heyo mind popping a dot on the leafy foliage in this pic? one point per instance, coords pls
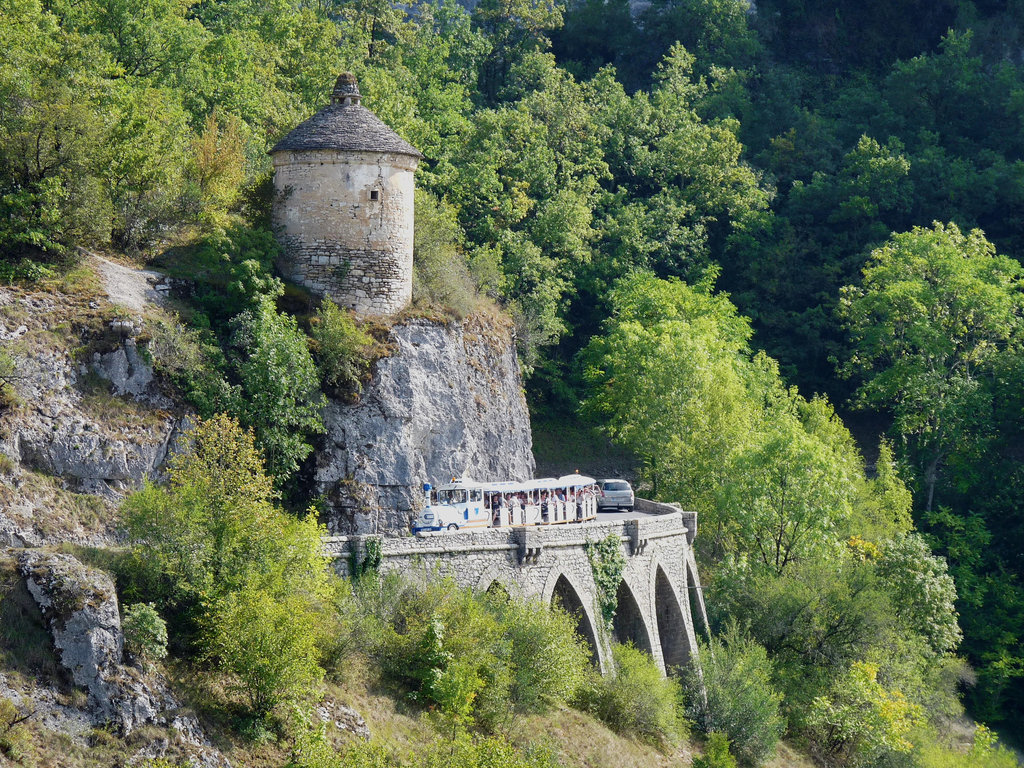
(716, 753)
(859, 721)
(479, 659)
(341, 349)
(247, 582)
(145, 633)
(935, 311)
(279, 396)
(732, 693)
(607, 562)
(923, 592)
(637, 699)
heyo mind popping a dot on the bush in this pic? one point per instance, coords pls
(145, 633)
(280, 398)
(14, 739)
(732, 693)
(859, 722)
(549, 662)
(440, 273)
(716, 753)
(248, 582)
(637, 700)
(985, 752)
(269, 643)
(8, 375)
(341, 348)
(232, 271)
(477, 658)
(313, 749)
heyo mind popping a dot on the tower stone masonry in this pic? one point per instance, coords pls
(343, 210)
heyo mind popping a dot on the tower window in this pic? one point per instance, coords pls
(375, 194)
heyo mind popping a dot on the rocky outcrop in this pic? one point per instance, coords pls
(344, 718)
(79, 605)
(448, 402)
(89, 417)
(59, 432)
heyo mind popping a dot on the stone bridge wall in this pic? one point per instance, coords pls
(550, 564)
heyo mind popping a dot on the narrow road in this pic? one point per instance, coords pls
(606, 516)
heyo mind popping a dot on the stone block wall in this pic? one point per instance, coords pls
(345, 224)
(546, 562)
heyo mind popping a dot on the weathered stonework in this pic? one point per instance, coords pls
(658, 598)
(337, 240)
(344, 201)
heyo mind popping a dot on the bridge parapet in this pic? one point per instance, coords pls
(550, 563)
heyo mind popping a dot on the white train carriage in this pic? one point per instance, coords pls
(466, 504)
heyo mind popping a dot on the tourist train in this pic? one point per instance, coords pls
(466, 504)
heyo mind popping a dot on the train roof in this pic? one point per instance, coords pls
(515, 486)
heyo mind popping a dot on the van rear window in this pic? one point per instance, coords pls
(616, 486)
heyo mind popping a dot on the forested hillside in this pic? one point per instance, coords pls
(713, 224)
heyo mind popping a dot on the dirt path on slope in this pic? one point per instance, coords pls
(130, 288)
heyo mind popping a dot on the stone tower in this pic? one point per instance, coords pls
(344, 205)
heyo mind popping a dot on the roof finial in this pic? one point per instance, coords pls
(346, 90)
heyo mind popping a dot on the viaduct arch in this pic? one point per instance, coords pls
(550, 564)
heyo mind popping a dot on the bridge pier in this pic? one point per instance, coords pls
(550, 564)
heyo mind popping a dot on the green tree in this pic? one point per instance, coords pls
(668, 378)
(247, 582)
(512, 28)
(934, 312)
(860, 721)
(732, 693)
(790, 490)
(269, 642)
(145, 633)
(923, 592)
(280, 397)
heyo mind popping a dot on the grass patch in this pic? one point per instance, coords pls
(116, 413)
(51, 509)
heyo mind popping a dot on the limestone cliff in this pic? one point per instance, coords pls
(448, 401)
(88, 422)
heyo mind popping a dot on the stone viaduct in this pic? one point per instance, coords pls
(659, 597)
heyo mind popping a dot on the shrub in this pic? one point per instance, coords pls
(478, 658)
(549, 662)
(8, 375)
(313, 749)
(859, 722)
(440, 273)
(732, 693)
(637, 700)
(280, 390)
(716, 753)
(269, 643)
(341, 348)
(232, 271)
(248, 582)
(145, 633)
(985, 752)
(14, 739)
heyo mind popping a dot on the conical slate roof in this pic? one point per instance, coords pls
(346, 125)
